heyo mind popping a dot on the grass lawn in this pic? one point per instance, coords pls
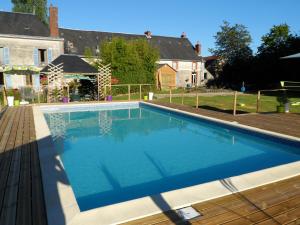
(225, 103)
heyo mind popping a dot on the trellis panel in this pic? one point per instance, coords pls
(103, 79)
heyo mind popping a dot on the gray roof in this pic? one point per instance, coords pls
(294, 56)
(22, 24)
(72, 64)
(170, 47)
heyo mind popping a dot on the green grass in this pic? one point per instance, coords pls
(225, 103)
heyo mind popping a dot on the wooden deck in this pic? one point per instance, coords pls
(285, 123)
(21, 192)
(276, 203)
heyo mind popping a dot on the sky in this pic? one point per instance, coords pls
(199, 19)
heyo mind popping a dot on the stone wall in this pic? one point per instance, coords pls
(21, 49)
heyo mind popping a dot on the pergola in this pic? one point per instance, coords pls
(73, 67)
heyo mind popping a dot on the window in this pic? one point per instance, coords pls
(42, 56)
(28, 80)
(194, 78)
(205, 76)
(175, 65)
(1, 56)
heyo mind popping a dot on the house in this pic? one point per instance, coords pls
(27, 45)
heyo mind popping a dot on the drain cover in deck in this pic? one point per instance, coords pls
(188, 213)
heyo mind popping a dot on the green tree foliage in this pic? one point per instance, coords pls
(131, 61)
(39, 7)
(232, 46)
(269, 68)
(232, 42)
(266, 68)
(277, 36)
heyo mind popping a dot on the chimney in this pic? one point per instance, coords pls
(53, 21)
(148, 34)
(198, 48)
(183, 35)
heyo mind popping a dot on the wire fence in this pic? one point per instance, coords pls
(228, 101)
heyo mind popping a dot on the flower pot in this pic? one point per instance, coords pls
(65, 99)
(151, 96)
(109, 98)
(10, 100)
(16, 102)
(287, 107)
(145, 97)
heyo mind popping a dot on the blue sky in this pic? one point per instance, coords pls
(199, 19)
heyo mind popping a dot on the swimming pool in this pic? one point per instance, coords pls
(116, 154)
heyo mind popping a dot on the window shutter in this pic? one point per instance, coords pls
(6, 55)
(36, 57)
(36, 81)
(50, 55)
(8, 81)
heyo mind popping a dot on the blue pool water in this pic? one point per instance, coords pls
(115, 155)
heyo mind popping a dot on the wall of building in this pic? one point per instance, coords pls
(21, 50)
(185, 70)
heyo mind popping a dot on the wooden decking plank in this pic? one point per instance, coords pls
(38, 206)
(11, 175)
(24, 214)
(3, 123)
(243, 216)
(268, 213)
(284, 218)
(6, 133)
(261, 197)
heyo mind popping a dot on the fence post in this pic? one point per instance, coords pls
(140, 92)
(234, 103)
(197, 101)
(4, 96)
(182, 96)
(170, 95)
(258, 102)
(128, 92)
(104, 93)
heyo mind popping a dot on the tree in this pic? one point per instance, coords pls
(232, 42)
(269, 67)
(132, 61)
(277, 37)
(234, 55)
(38, 7)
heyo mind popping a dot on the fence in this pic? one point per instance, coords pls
(133, 91)
(233, 102)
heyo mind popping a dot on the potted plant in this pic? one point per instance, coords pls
(10, 98)
(284, 103)
(145, 96)
(17, 97)
(55, 93)
(65, 98)
(109, 95)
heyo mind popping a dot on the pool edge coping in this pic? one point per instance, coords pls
(176, 199)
